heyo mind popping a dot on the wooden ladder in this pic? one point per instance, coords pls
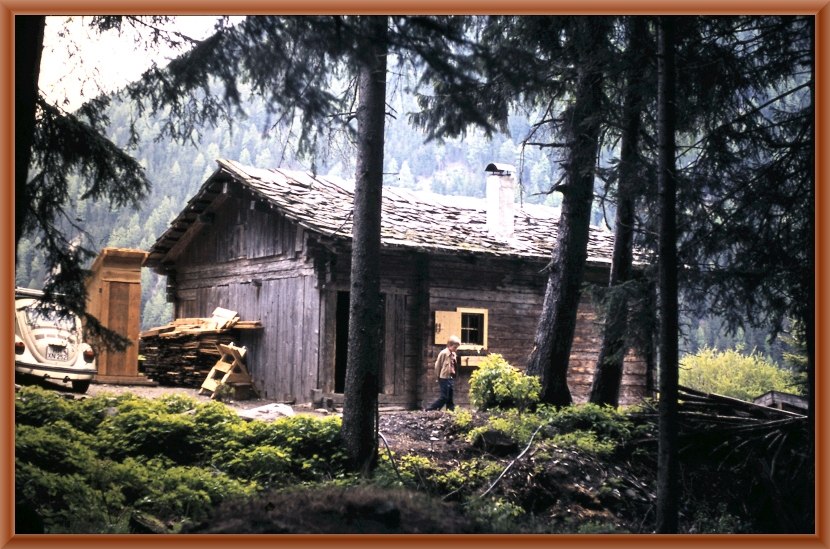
(229, 369)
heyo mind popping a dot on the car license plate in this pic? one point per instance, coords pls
(57, 353)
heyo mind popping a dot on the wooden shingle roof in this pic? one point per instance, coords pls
(410, 219)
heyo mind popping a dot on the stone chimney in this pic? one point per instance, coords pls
(500, 190)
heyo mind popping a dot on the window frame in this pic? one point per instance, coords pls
(449, 323)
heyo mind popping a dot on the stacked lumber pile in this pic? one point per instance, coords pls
(747, 454)
(183, 352)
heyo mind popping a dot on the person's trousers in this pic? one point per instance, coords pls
(447, 388)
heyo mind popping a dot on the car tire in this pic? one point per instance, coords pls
(79, 386)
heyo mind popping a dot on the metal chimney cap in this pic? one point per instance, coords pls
(499, 168)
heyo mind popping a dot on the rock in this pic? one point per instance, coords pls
(269, 412)
(146, 524)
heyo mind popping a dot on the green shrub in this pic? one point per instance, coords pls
(316, 449)
(606, 422)
(176, 403)
(98, 497)
(462, 419)
(586, 441)
(267, 465)
(218, 430)
(142, 430)
(600, 527)
(180, 492)
(497, 384)
(37, 406)
(57, 448)
(519, 427)
(733, 374)
(422, 473)
(85, 465)
(496, 514)
(68, 502)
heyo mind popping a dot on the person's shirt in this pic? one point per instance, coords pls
(445, 364)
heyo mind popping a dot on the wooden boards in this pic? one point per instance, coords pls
(229, 370)
(183, 352)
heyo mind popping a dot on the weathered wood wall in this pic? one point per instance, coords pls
(416, 286)
(254, 262)
(512, 292)
(402, 346)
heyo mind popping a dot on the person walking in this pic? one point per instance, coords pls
(445, 372)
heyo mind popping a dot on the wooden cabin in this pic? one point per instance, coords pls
(275, 244)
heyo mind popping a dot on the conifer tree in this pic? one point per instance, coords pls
(605, 388)
(668, 485)
(52, 145)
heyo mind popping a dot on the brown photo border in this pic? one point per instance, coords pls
(8, 8)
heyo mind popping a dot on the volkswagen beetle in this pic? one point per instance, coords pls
(50, 346)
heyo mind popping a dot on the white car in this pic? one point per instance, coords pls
(49, 346)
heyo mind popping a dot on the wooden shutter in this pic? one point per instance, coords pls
(447, 323)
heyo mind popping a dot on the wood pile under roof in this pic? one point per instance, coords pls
(183, 352)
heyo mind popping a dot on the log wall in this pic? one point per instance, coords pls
(512, 292)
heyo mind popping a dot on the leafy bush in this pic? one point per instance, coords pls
(462, 419)
(84, 465)
(37, 407)
(422, 473)
(57, 448)
(68, 502)
(497, 384)
(316, 450)
(518, 426)
(606, 422)
(143, 431)
(267, 465)
(496, 514)
(588, 427)
(733, 374)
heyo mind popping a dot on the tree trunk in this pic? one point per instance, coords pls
(554, 335)
(360, 398)
(668, 486)
(28, 48)
(605, 388)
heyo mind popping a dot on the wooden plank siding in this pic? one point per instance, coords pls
(264, 266)
(251, 262)
(415, 286)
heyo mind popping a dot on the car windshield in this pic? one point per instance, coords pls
(45, 317)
